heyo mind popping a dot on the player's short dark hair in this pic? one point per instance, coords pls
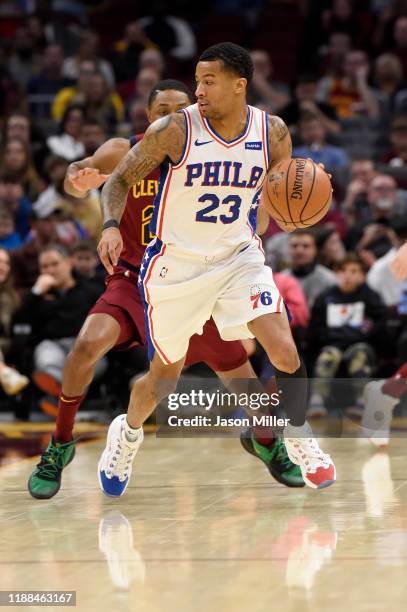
(350, 258)
(234, 58)
(167, 84)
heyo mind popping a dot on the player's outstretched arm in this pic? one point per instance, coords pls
(399, 264)
(165, 138)
(92, 172)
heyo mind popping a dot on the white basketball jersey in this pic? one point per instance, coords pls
(207, 203)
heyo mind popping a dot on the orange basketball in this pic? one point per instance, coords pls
(297, 193)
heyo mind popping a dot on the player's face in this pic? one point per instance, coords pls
(167, 102)
(217, 89)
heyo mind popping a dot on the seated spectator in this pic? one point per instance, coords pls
(43, 88)
(351, 95)
(17, 164)
(312, 277)
(151, 61)
(12, 197)
(305, 101)
(265, 92)
(128, 52)
(173, 35)
(19, 126)
(362, 173)
(65, 96)
(380, 277)
(396, 156)
(294, 298)
(25, 259)
(331, 63)
(9, 238)
(88, 51)
(312, 134)
(93, 135)
(152, 58)
(85, 212)
(330, 247)
(371, 235)
(67, 143)
(10, 379)
(85, 263)
(388, 80)
(11, 93)
(52, 313)
(99, 103)
(145, 81)
(24, 60)
(347, 324)
(138, 117)
(339, 16)
(400, 42)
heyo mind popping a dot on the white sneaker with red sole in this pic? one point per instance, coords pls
(317, 468)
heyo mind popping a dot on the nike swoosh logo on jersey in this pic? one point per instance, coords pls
(198, 144)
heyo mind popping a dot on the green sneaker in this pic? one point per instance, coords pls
(276, 459)
(45, 480)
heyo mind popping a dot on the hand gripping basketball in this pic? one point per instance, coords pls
(297, 193)
(109, 248)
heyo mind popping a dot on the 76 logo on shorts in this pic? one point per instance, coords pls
(264, 297)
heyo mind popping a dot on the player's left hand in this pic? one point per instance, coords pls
(88, 178)
(399, 264)
(322, 166)
(109, 248)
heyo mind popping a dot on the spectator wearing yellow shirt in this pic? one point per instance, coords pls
(79, 93)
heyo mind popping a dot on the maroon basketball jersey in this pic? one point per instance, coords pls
(135, 222)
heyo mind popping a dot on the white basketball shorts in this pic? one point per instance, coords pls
(181, 292)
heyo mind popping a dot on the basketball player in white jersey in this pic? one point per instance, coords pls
(206, 259)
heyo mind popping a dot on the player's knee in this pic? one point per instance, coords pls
(86, 349)
(287, 360)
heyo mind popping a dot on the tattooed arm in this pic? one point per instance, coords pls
(279, 140)
(280, 147)
(165, 138)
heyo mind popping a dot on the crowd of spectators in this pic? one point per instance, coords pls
(73, 74)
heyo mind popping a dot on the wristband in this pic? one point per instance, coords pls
(110, 223)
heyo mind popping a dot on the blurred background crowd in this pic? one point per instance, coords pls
(73, 74)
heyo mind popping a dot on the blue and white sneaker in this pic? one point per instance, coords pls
(115, 464)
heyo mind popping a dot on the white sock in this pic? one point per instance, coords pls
(132, 435)
(302, 431)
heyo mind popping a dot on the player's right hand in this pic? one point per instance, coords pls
(109, 248)
(87, 178)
